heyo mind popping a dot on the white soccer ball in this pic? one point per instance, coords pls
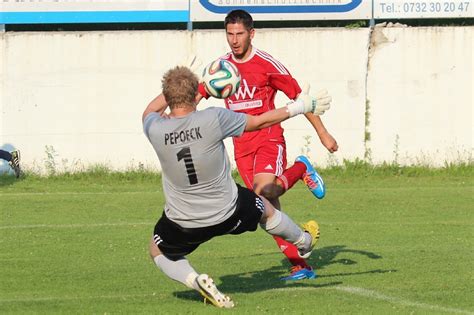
(221, 78)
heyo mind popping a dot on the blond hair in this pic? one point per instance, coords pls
(180, 86)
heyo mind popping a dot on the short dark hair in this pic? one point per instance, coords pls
(239, 16)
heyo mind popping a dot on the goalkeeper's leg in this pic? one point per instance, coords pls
(279, 224)
(180, 270)
(271, 187)
(5, 155)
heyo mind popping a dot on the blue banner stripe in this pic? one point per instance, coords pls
(330, 8)
(94, 17)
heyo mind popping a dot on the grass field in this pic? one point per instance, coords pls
(390, 244)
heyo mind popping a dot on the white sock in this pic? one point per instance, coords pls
(304, 244)
(179, 270)
(281, 225)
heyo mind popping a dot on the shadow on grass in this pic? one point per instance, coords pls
(269, 279)
(255, 281)
(326, 256)
(258, 281)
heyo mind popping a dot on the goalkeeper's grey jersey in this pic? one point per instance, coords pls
(196, 171)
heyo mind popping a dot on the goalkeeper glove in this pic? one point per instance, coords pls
(305, 103)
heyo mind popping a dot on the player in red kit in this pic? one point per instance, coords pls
(261, 155)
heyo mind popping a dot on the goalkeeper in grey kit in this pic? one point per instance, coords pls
(201, 198)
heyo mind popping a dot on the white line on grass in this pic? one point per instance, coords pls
(68, 226)
(93, 225)
(77, 193)
(395, 300)
(75, 298)
(159, 191)
(351, 290)
(379, 296)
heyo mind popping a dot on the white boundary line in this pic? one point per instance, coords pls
(395, 300)
(68, 226)
(74, 298)
(351, 290)
(382, 297)
(160, 191)
(79, 193)
(93, 225)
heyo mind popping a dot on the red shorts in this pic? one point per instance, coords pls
(269, 158)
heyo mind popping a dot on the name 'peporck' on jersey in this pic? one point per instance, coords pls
(196, 171)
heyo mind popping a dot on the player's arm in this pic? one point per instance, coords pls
(199, 97)
(157, 105)
(288, 85)
(266, 119)
(325, 137)
(316, 105)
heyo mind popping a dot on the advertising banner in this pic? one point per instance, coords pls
(149, 11)
(92, 11)
(289, 10)
(407, 9)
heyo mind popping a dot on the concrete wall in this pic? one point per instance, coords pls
(420, 87)
(80, 96)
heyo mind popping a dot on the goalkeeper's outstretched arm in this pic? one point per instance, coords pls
(305, 104)
(158, 105)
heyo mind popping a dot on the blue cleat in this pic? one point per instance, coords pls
(300, 273)
(312, 179)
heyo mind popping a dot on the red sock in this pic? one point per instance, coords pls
(291, 175)
(291, 252)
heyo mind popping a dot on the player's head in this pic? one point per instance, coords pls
(241, 17)
(239, 32)
(180, 86)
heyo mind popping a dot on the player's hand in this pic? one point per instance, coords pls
(317, 104)
(329, 142)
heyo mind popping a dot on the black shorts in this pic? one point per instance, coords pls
(175, 241)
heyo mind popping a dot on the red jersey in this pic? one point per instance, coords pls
(261, 77)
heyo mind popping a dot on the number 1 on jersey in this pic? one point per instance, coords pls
(185, 154)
